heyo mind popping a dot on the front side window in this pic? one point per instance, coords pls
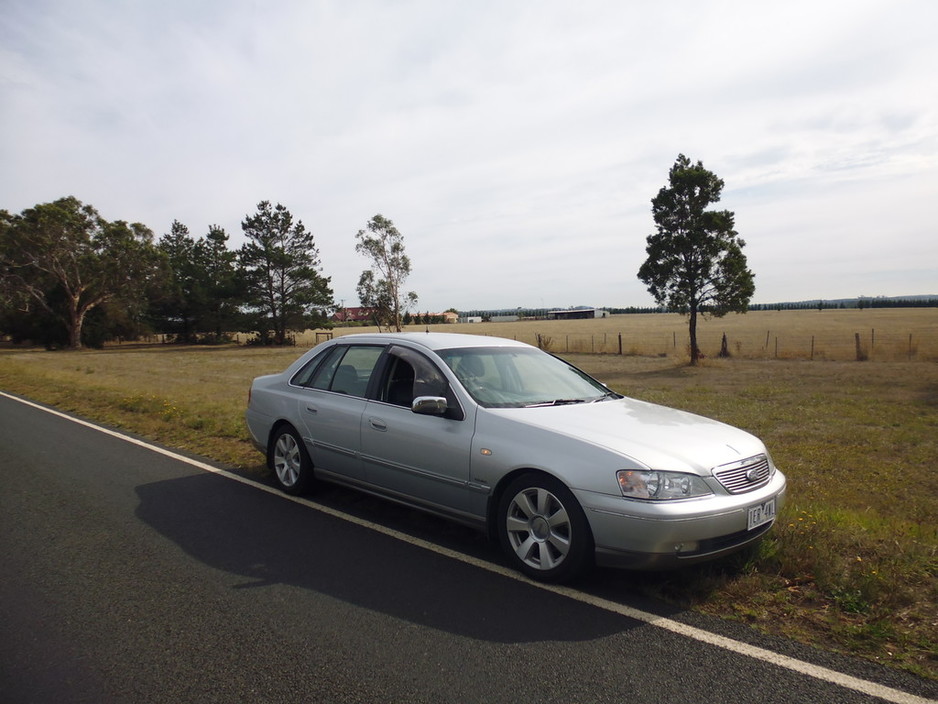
(410, 375)
(399, 387)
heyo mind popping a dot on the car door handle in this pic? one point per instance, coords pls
(312, 410)
(378, 424)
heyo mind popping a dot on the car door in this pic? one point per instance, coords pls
(424, 458)
(330, 403)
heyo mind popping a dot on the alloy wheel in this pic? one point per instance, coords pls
(538, 528)
(287, 460)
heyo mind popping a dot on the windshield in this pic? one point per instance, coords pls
(518, 377)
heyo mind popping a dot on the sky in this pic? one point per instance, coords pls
(515, 144)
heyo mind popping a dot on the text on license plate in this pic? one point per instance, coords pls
(761, 514)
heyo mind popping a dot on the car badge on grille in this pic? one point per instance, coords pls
(753, 474)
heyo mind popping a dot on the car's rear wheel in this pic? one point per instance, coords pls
(543, 529)
(289, 460)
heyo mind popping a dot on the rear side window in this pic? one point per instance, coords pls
(317, 366)
(346, 369)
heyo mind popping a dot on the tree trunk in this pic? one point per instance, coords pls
(75, 319)
(694, 350)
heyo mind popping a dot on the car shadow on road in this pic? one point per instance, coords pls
(265, 539)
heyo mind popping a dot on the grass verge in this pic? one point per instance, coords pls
(851, 564)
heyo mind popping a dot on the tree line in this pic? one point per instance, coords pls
(846, 304)
(71, 278)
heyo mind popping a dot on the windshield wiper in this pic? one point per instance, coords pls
(556, 402)
(606, 396)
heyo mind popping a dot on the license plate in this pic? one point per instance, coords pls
(761, 514)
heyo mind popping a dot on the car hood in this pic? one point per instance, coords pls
(654, 436)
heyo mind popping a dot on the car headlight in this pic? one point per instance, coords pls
(660, 486)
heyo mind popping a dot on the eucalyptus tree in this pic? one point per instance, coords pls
(280, 262)
(382, 286)
(695, 263)
(67, 260)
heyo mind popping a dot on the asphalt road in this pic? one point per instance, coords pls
(130, 576)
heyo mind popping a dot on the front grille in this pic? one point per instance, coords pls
(745, 475)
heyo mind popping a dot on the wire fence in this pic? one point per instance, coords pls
(866, 345)
(872, 335)
(871, 344)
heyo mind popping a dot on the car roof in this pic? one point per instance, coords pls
(431, 340)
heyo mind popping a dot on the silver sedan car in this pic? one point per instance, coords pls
(505, 437)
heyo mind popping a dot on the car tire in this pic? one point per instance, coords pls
(543, 530)
(288, 458)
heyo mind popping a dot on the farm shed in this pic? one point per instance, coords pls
(577, 314)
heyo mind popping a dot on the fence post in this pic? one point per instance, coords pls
(812, 348)
(856, 337)
(910, 347)
(620, 344)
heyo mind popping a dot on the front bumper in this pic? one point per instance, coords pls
(661, 535)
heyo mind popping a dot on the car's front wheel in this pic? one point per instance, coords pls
(543, 529)
(289, 460)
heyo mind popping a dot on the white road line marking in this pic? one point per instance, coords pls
(805, 668)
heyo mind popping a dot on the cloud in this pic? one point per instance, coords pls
(516, 146)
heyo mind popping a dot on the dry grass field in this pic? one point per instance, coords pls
(885, 334)
(852, 563)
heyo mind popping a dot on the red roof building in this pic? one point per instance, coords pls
(353, 315)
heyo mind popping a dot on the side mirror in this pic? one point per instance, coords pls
(429, 405)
